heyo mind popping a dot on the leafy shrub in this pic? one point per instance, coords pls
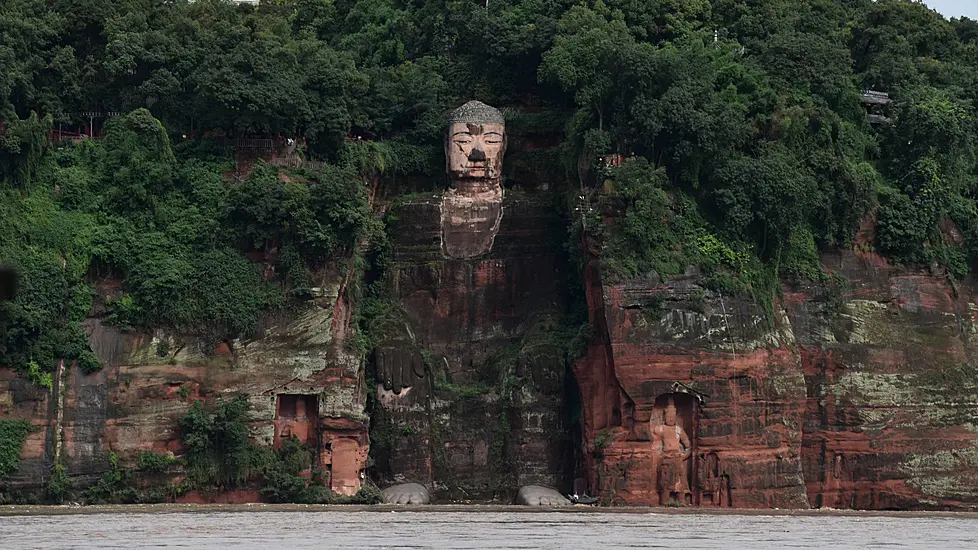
(155, 462)
(58, 485)
(115, 486)
(219, 452)
(650, 235)
(368, 494)
(13, 434)
(282, 482)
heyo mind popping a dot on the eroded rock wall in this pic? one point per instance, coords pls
(892, 409)
(734, 375)
(856, 392)
(860, 391)
(470, 385)
(149, 381)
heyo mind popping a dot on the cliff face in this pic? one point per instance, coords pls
(857, 392)
(860, 393)
(733, 375)
(297, 375)
(891, 382)
(471, 386)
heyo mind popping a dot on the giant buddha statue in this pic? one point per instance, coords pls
(468, 282)
(471, 208)
(471, 211)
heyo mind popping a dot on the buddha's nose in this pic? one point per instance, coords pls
(477, 154)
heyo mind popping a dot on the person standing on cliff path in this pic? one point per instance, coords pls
(671, 446)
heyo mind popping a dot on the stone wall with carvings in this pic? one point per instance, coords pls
(734, 374)
(856, 392)
(150, 380)
(470, 388)
(860, 392)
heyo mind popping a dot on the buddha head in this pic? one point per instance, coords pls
(476, 142)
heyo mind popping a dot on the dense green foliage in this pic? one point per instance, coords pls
(115, 485)
(219, 452)
(751, 148)
(13, 433)
(221, 456)
(758, 149)
(131, 207)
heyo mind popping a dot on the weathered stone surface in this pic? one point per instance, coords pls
(892, 387)
(470, 218)
(860, 392)
(534, 495)
(21, 399)
(733, 374)
(469, 401)
(407, 493)
(856, 392)
(150, 380)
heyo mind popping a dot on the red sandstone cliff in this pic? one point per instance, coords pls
(734, 376)
(298, 377)
(859, 392)
(892, 391)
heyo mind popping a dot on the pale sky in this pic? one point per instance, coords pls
(955, 8)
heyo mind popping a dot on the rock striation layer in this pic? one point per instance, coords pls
(892, 387)
(733, 376)
(858, 392)
(855, 392)
(299, 378)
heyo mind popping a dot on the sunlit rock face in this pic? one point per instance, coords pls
(890, 369)
(857, 392)
(471, 208)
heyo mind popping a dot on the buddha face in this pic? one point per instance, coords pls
(475, 151)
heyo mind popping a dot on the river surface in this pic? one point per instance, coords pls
(361, 529)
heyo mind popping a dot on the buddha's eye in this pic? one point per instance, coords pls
(493, 141)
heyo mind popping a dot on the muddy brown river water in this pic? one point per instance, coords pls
(291, 528)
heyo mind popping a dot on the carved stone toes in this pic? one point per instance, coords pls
(534, 495)
(407, 494)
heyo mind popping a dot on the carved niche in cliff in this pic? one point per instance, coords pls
(713, 486)
(682, 471)
(297, 415)
(343, 457)
(670, 426)
(471, 208)
(341, 448)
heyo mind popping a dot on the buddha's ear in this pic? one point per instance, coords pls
(8, 283)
